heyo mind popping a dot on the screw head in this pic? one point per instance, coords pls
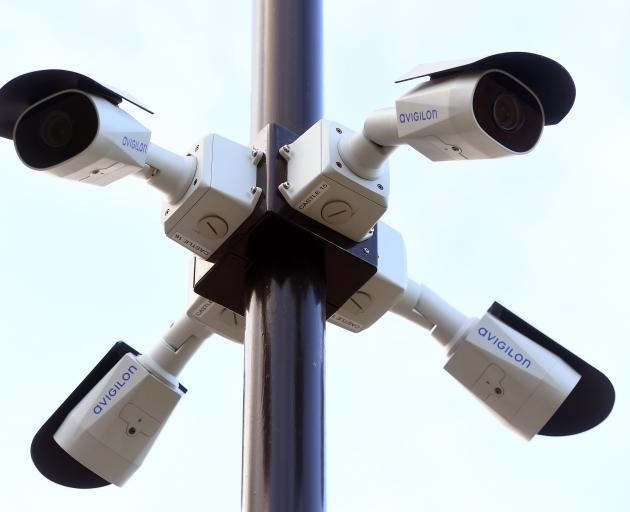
(286, 185)
(379, 186)
(339, 164)
(366, 250)
(339, 130)
(254, 189)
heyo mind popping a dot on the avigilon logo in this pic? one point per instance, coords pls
(504, 347)
(136, 145)
(113, 391)
(422, 115)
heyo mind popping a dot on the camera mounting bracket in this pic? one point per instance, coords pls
(349, 264)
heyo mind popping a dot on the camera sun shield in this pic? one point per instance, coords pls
(548, 79)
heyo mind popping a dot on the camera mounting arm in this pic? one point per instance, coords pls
(168, 172)
(424, 307)
(176, 348)
(366, 151)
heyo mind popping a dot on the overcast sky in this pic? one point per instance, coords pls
(546, 234)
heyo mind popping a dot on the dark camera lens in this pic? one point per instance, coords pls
(507, 112)
(56, 130)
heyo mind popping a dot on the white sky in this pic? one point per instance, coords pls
(546, 234)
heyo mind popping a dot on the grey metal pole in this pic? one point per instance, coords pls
(283, 412)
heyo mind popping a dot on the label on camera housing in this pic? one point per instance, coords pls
(313, 196)
(192, 246)
(346, 323)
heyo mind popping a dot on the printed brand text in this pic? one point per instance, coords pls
(136, 145)
(424, 115)
(504, 347)
(113, 391)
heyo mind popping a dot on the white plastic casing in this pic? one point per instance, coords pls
(436, 118)
(222, 195)
(322, 187)
(383, 290)
(118, 149)
(113, 427)
(519, 380)
(220, 319)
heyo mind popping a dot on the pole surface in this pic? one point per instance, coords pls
(283, 410)
(287, 64)
(283, 436)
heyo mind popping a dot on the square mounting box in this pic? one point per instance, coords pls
(321, 186)
(223, 194)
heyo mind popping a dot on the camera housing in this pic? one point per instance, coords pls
(70, 125)
(485, 114)
(520, 381)
(478, 108)
(82, 137)
(111, 430)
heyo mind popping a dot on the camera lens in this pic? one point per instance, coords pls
(56, 130)
(507, 112)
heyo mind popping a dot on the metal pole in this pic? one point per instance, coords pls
(283, 412)
(287, 64)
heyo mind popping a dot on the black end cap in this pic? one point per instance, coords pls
(49, 458)
(591, 400)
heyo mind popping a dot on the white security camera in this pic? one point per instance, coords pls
(485, 108)
(69, 125)
(82, 137)
(111, 430)
(103, 431)
(531, 382)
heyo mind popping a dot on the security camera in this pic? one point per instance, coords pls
(485, 108)
(535, 385)
(71, 126)
(103, 431)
